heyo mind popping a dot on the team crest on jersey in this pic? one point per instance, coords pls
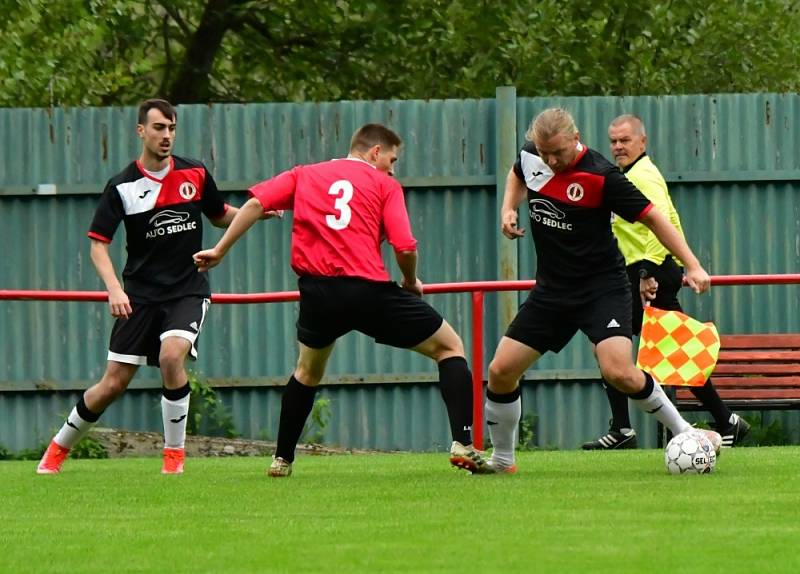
(187, 190)
(575, 191)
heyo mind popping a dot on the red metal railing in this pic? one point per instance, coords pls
(476, 288)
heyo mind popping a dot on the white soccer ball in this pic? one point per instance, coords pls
(690, 452)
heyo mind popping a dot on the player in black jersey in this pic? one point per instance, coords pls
(581, 282)
(160, 310)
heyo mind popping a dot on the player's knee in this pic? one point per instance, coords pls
(308, 375)
(441, 353)
(500, 372)
(445, 343)
(621, 378)
(171, 360)
(113, 385)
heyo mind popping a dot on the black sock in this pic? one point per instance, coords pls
(506, 398)
(296, 405)
(649, 385)
(176, 394)
(455, 382)
(708, 396)
(85, 413)
(618, 401)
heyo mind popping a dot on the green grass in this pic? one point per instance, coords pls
(564, 512)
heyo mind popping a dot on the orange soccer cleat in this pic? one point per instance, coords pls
(52, 459)
(173, 461)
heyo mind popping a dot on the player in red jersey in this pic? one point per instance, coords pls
(343, 208)
(161, 199)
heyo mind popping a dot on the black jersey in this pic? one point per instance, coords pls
(163, 226)
(570, 212)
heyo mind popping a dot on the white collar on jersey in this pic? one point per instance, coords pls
(160, 174)
(353, 158)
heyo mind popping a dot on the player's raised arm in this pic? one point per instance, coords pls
(244, 219)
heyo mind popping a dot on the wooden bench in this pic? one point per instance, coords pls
(756, 372)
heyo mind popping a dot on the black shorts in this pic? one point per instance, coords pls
(137, 339)
(548, 326)
(333, 306)
(669, 276)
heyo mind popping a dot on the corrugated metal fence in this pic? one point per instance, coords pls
(732, 160)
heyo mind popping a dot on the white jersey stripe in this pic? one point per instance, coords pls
(138, 196)
(536, 172)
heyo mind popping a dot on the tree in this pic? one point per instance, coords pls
(117, 52)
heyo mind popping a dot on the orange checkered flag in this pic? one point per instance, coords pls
(676, 349)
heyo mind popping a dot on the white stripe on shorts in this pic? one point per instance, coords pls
(188, 335)
(129, 359)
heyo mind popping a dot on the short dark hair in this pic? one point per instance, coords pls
(162, 106)
(370, 135)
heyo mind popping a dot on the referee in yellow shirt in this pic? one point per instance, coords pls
(655, 277)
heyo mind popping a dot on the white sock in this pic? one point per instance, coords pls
(73, 430)
(659, 405)
(174, 414)
(503, 422)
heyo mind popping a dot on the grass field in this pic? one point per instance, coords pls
(565, 511)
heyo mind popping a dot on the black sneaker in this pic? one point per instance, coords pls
(734, 434)
(613, 440)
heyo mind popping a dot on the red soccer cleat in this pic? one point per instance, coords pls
(173, 461)
(52, 459)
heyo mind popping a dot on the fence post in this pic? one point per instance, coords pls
(477, 369)
(506, 142)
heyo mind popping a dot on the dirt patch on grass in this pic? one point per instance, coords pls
(120, 443)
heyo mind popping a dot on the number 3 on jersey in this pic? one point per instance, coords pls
(345, 188)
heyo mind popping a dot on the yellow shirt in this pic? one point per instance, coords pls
(636, 241)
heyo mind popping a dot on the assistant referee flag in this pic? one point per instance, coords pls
(676, 349)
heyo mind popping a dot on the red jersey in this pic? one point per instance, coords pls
(343, 209)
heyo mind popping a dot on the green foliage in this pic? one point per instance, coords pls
(772, 434)
(5, 454)
(314, 430)
(116, 52)
(527, 436)
(30, 453)
(208, 415)
(88, 448)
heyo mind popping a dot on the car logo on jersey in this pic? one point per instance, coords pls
(575, 191)
(168, 216)
(187, 190)
(544, 212)
(544, 207)
(169, 222)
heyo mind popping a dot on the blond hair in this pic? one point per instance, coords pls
(549, 123)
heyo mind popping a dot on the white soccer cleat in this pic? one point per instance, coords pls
(280, 468)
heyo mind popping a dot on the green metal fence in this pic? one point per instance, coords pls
(732, 162)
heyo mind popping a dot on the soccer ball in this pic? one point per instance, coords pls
(690, 452)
